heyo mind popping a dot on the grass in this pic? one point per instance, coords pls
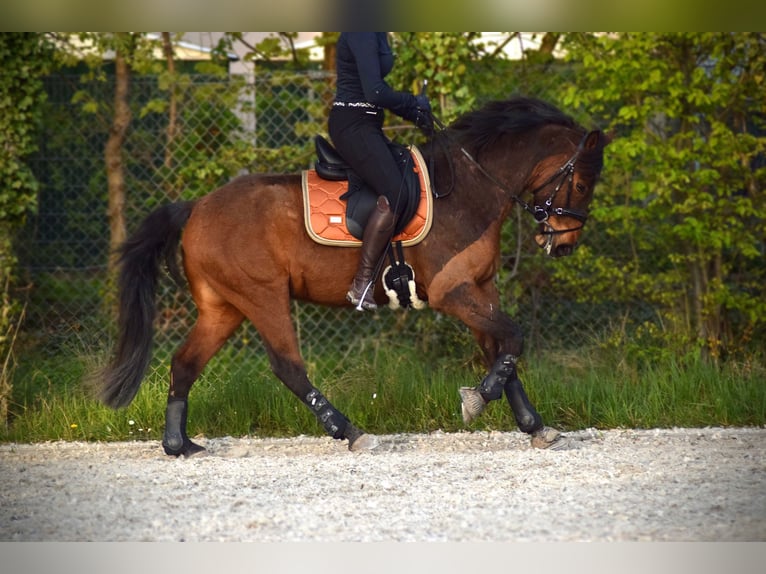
(390, 389)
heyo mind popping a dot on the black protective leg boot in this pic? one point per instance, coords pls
(377, 235)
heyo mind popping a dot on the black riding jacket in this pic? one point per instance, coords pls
(363, 59)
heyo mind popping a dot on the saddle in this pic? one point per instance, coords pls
(337, 203)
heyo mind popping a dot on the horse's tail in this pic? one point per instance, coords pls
(155, 241)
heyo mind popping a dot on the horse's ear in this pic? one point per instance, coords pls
(597, 138)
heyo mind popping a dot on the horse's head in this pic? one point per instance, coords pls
(529, 143)
(563, 189)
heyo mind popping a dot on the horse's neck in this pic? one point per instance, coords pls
(463, 188)
(500, 180)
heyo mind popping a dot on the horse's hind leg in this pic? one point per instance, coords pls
(213, 327)
(293, 374)
(270, 314)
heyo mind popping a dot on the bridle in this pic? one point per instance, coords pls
(541, 213)
(564, 174)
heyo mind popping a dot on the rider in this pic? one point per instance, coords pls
(355, 126)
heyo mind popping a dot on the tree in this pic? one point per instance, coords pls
(683, 189)
(115, 171)
(172, 129)
(133, 53)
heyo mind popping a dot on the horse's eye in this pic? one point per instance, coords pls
(580, 187)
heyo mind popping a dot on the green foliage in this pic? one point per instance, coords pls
(24, 59)
(683, 187)
(444, 59)
(271, 51)
(23, 56)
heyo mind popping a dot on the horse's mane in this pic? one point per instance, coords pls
(483, 127)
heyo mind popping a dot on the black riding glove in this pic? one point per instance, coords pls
(423, 117)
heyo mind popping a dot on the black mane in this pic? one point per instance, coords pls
(481, 128)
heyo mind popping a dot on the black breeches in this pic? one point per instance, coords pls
(358, 136)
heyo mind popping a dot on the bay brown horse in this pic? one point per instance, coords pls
(246, 254)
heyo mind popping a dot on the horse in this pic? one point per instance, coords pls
(246, 255)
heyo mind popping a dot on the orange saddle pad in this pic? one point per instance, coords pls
(325, 212)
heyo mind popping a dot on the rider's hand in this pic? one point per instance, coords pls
(423, 117)
(422, 103)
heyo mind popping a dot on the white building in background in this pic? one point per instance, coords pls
(513, 49)
(208, 40)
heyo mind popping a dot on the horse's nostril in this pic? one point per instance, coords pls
(563, 250)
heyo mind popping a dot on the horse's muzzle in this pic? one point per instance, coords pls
(557, 244)
(563, 250)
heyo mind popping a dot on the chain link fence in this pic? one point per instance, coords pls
(224, 127)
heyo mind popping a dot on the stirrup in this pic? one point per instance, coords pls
(362, 303)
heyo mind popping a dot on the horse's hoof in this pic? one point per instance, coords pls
(364, 442)
(193, 449)
(188, 449)
(547, 437)
(472, 404)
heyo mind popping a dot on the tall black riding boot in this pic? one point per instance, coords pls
(377, 235)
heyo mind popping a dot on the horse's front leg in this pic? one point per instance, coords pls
(502, 341)
(503, 379)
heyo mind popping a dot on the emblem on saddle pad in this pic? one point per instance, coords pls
(332, 219)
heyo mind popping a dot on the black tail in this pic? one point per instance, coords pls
(140, 257)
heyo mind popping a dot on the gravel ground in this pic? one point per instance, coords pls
(619, 485)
